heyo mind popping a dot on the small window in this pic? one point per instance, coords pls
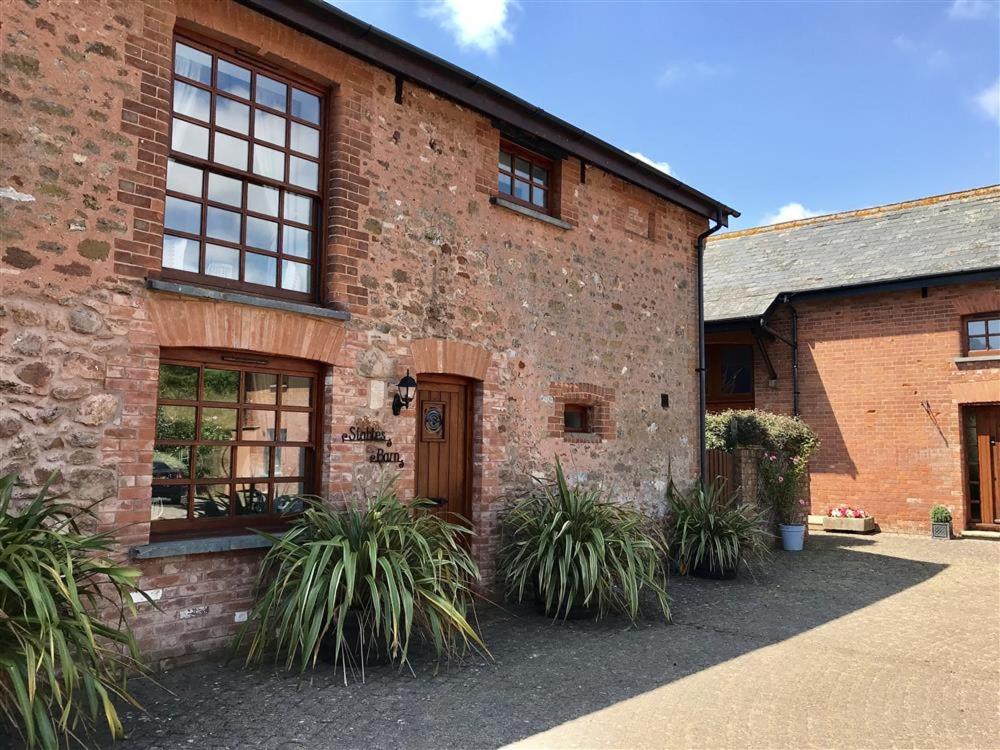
(243, 177)
(982, 334)
(236, 440)
(525, 177)
(729, 377)
(576, 418)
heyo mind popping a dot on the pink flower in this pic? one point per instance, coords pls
(773, 457)
(802, 502)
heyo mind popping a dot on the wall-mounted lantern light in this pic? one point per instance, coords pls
(405, 392)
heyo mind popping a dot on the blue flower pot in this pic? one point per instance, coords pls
(792, 536)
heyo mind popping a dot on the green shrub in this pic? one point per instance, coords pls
(572, 547)
(382, 568)
(711, 529)
(61, 664)
(940, 514)
(754, 428)
(782, 477)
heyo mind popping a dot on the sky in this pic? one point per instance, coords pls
(781, 110)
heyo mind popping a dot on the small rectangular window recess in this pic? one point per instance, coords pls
(583, 172)
(576, 418)
(664, 401)
(399, 89)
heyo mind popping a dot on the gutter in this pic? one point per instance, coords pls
(351, 35)
(702, 243)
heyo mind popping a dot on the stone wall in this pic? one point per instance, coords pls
(435, 276)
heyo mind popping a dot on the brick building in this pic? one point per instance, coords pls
(230, 229)
(893, 316)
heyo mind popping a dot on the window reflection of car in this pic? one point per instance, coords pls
(289, 504)
(168, 493)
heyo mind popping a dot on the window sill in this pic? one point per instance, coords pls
(192, 290)
(980, 358)
(199, 546)
(530, 212)
(582, 437)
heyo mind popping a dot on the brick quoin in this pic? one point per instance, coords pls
(602, 313)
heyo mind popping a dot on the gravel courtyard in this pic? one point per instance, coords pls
(884, 641)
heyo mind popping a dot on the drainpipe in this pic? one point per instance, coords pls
(703, 457)
(793, 344)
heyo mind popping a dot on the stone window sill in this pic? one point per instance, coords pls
(198, 546)
(973, 360)
(192, 290)
(529, 212)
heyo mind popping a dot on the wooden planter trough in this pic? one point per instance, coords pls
(859, 525)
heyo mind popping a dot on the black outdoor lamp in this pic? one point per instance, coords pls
(405, 392)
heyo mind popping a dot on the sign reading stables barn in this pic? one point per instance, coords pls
(374, 435)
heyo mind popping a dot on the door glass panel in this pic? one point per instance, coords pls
(297, 391)
(221, 385)
(295, 426)
(289, 461)
(258, 425)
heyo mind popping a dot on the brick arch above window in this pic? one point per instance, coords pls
(978, 302)
(450, 358)
(225, 325)
(597, 398)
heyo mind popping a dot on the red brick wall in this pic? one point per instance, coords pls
(413, 249)
(880, 387)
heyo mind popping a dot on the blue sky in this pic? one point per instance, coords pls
(781, 110)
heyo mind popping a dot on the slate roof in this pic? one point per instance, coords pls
(745, 271)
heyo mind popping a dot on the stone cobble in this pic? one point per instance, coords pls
(856, 642)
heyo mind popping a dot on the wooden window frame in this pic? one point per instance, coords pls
(987, 316)
(247, 176)
(534, 159)
(243, 362)
(588, 420)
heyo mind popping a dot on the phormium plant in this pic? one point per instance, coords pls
(572, 547)
(65, 646)
(358, 582)
(713, 532)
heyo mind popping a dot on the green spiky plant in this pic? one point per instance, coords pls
(572, 547)
(65, 646)
(384, 569)
(712, 531)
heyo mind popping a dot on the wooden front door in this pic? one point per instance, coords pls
(982, 448)
(444, 443)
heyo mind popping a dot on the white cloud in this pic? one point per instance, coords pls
(789, 212)
(685, 70)
(480, 24)
(971, 9)
(988, 101)
(661, 165)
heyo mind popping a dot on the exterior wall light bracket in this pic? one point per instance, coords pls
(405, 392)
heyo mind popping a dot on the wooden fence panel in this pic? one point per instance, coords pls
(723, 464)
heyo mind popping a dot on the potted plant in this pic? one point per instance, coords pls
(846, 518)
(940, 522)
(578, 553)
(712, 534)
(65, 668)
(354, 585)
(782, 477)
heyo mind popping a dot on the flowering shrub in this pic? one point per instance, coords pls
(782, 477)
(846, 511)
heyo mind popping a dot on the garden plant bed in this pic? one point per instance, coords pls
(856, 525)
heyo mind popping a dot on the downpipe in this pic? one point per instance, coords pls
(703, 451)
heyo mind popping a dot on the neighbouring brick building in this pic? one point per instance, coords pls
(894, 312)
(229, 229)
